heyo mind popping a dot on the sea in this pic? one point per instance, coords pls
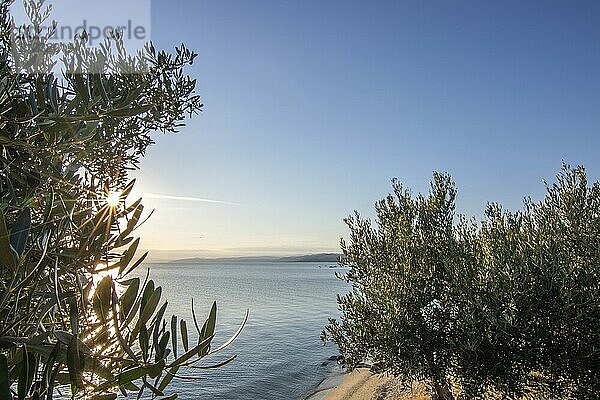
(279, 354)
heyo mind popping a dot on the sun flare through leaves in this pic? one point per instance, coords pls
(113, 199)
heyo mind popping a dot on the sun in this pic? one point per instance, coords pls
(113, 199)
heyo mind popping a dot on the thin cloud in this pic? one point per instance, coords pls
(186, 198)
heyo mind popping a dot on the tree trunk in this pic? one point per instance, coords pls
(438, 379)
(442, 391)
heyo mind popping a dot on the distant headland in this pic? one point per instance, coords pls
(319, 257)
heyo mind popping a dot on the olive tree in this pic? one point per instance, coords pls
(70, 312)
(507, 307)
(399, 312)
(533, 322)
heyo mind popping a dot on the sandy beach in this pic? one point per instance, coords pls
(361, 384)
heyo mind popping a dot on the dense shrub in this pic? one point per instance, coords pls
(509, 306)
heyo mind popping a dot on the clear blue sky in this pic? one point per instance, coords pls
(313, 106)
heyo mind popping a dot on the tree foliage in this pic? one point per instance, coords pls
(70, 312)
(509, 306)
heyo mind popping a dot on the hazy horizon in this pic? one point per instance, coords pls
(177, 254)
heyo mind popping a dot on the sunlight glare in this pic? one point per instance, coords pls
(101, 271)
(113, 199)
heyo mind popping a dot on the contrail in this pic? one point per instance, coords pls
(183, 198)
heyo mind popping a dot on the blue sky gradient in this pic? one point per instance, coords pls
(313, 106)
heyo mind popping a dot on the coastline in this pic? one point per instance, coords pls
(334, 379)
(361, 384)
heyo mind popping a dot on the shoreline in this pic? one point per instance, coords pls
(359, 384)
(335, 378)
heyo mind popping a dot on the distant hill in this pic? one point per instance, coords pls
(320, 257)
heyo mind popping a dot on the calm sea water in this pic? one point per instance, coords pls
(279, 354)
